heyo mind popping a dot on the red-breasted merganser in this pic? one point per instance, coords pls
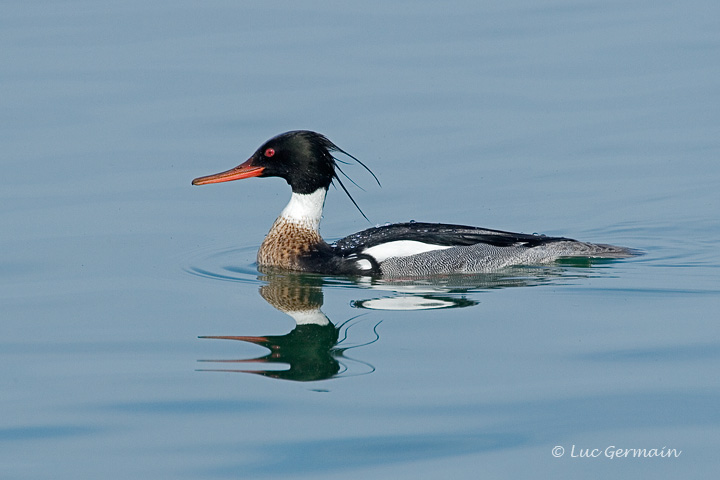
(304, 159)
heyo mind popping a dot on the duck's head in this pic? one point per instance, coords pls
(303, 158)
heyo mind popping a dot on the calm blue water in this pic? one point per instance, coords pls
(595, 120)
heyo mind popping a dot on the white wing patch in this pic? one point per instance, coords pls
(364, 264)
(401, 248)
(410, 302)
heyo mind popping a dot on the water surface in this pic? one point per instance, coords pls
(592, 120)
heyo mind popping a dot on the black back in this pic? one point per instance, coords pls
(438, 234)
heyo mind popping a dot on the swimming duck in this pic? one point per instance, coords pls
(305, 160)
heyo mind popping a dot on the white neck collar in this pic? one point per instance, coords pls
(305, 208)
(309, 317)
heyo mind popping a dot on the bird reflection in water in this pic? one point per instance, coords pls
(315, 348)
(312, 350)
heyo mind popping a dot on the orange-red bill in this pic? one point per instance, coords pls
(233, 337)
(244, 170)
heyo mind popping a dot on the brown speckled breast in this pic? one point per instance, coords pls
(286, 243)
(291, 293)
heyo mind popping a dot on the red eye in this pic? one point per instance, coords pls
(269, 152)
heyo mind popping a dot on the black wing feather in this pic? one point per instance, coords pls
(438, 234)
